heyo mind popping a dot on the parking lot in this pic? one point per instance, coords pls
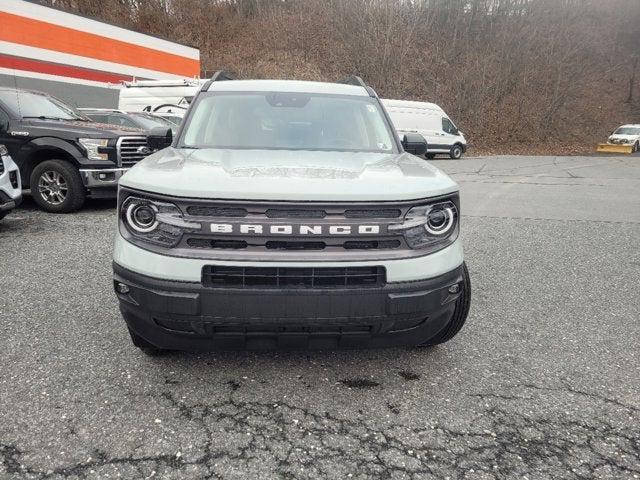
(542, 383)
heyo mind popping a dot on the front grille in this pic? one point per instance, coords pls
(1, 166)
(292, 277)
(129, 150)
(292, 245)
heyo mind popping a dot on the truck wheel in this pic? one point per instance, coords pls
(459, 315)
(56, 187)
(430, 156)
(456, 152)
(145, 346)
(636, 146)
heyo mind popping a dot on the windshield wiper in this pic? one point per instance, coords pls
(44, 117)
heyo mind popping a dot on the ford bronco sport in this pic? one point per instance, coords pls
(288, 214)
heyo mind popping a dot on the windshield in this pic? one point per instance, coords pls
(151, 121)
(37, 105)
(627, 131)
(288, 121)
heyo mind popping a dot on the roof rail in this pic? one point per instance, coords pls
(218, 76)
(221, 75)
(353, 80)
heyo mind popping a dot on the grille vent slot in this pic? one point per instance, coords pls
(217, 211)
(373, 213)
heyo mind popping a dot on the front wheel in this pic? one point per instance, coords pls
(148, 348)
(636, 147)
(459, 315)
(56, 187)
(456, 152)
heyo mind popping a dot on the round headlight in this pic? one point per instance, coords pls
(142, 217)
(439, 221)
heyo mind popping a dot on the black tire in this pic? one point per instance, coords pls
(3, 214)
(636, 147)
(145, 346)
(459, 315)
(456, 152)
(56, 187)
(430, 156)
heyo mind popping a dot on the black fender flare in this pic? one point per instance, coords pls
(30, 156)
(52, 143)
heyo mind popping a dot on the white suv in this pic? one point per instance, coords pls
(287, 214)
(10, 185)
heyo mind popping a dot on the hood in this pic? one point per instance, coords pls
(288, 175)
(624, 137)
(79, 128)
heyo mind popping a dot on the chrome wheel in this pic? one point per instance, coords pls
(52, 187)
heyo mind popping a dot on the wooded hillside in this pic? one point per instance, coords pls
(516, 75)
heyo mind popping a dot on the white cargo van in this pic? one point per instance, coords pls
(162, 97)
(429, 120)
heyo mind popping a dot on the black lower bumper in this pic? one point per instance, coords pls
(190, 316)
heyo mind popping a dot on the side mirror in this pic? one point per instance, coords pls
(414, 143)
(159, 138)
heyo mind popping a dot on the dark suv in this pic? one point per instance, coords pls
(63, 156)
(119, 118)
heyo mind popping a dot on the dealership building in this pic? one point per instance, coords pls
(81, 60)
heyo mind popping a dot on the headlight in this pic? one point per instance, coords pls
(154, 221)
(3, 150)
(91, 145)
(433, 226)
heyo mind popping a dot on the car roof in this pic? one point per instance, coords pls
(631, 125)
(289, 86)
(390, 103)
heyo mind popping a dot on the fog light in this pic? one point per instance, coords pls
(454, 288)
(122, 288)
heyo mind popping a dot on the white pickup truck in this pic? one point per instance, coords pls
(288, 214)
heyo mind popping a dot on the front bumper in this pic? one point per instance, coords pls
(189, 316)
(106, 178)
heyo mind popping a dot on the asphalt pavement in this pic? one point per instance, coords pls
(543, 382)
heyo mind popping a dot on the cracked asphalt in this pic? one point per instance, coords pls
(542, 383)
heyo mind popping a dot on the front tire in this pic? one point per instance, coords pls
(148, 348)
(459, 315)
(636, 147)
(456, 152)
(56, 187)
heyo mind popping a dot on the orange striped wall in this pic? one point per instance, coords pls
(40, 34)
